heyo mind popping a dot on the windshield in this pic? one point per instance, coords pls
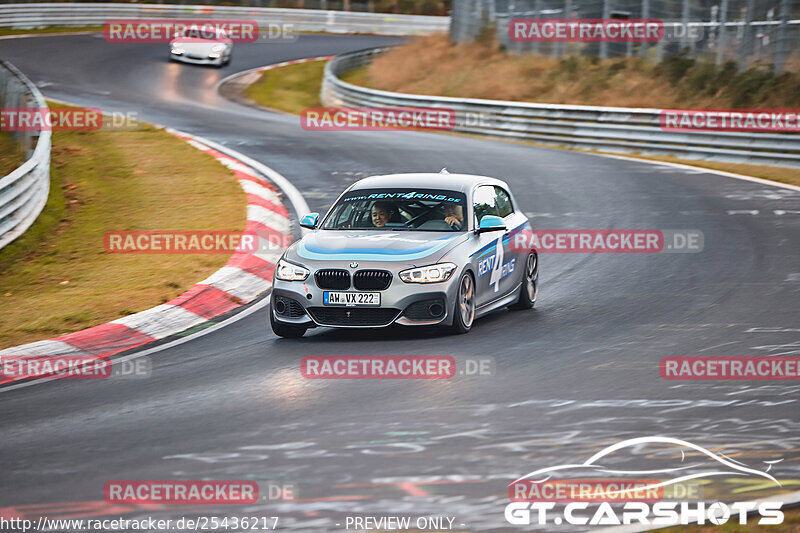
(201, 36)
(399, 210)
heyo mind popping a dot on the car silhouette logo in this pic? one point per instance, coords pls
(353, 265)
(703, 462)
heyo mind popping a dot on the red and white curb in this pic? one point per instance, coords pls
(243, 278)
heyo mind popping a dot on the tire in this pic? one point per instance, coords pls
(287, 331)
(530, 284)
(464, 306)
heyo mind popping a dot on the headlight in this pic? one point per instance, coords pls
(218, 48)
(286, 271)
(177, 51)
(428, 274)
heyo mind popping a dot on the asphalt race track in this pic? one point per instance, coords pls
(578, 373)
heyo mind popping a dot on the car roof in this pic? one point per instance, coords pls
(427, 180)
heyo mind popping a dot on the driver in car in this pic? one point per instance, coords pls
(381, 214)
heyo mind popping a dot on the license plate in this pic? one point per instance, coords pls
(352, 299)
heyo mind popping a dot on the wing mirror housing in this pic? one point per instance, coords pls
(309, 221)
(490, 223)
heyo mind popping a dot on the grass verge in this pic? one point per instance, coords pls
(291, 88)
(295, 87)
(50, 29)
(57, 278)
(482, 69)
(11, 154)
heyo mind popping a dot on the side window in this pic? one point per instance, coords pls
(343, 218)
(484, 202)
(503, 202)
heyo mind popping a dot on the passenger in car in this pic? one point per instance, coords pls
(454, 216)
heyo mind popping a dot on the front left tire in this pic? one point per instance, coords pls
(464, 306)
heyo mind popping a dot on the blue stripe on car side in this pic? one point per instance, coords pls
(489, 248)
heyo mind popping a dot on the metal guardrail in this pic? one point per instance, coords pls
(611, 129)
(23, 193)
(28, 16)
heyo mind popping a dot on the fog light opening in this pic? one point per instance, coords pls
(436, 310)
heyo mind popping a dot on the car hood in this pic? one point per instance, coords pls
(409, 246)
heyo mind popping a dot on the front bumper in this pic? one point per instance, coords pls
(407, 304)
(183, 58)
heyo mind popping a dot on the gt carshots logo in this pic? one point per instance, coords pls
(536, 495)
(661, 513)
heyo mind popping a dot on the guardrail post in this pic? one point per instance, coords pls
(643, 47)
(685, 24)
(782, 49)
(746, 47)
(606, 14)
(537, 7)
(564, 48)
(721, 34)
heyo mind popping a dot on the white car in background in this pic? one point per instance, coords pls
(213, 50)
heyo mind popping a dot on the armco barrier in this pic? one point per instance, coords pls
(36, 15)
(611, 129)
(23, 193)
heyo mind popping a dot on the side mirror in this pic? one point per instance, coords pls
(490, 223)
(309, 221)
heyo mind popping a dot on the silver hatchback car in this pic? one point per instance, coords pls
(409, 249)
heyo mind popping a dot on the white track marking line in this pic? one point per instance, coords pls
(753, 179)
(228, 321)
